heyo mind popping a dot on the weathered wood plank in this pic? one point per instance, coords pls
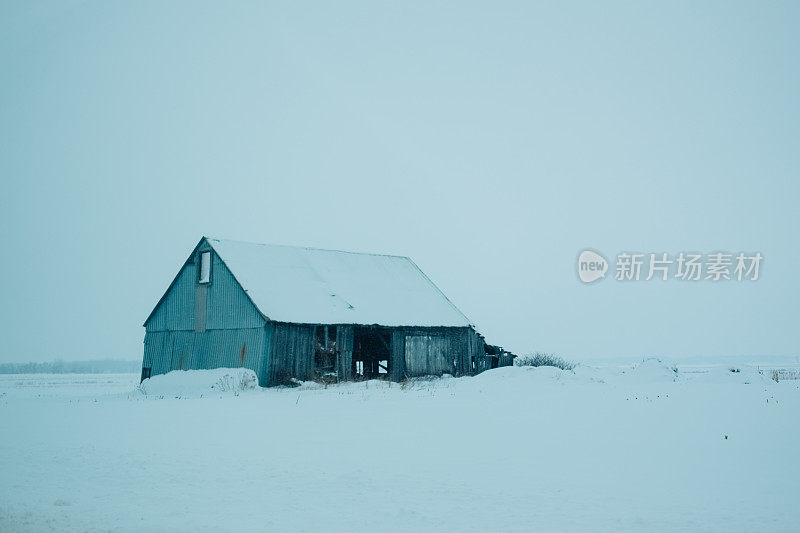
(344, 344)
(397, 365)
(200, 308)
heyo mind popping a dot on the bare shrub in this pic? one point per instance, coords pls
(544, 359)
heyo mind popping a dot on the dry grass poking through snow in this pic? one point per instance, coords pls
(544, 359)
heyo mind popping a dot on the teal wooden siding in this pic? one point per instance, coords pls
(206, 326)
(165, 351)
(227, 305)
(291, 353)
(433, 351)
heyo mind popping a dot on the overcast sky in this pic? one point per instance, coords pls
(491, 142)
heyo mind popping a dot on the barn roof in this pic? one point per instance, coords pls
(314, 286)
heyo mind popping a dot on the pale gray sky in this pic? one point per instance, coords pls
(491, 142)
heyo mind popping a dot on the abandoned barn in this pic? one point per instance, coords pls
(291, 313)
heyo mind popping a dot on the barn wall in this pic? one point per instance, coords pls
(291, 353)
(414, 352)
(279, 352)
(397, 366)
(176, 310)
(474, 349)
(205, 326)
(344, 343)
(433, 351)
(165, 351)
(226, 304)
(263, 371)
(506, 359)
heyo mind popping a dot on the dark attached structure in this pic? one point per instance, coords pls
(292, 313)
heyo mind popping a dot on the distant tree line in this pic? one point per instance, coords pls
(100, 366)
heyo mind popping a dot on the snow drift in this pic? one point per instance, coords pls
(651, 370)
(200, 382)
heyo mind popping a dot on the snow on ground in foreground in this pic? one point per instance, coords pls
(514, 449)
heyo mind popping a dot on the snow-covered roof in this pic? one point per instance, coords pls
(314, 286)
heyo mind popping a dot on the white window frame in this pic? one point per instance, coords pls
(204, 268)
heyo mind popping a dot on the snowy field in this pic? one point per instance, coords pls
(514, 449)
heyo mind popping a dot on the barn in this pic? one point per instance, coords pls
(292, 313)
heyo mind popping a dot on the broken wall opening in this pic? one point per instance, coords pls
(372, 352)
(325, 354)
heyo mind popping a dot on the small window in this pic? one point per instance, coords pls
(205, 268)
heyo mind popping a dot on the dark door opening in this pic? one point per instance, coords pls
(371, 352)
(326, 355)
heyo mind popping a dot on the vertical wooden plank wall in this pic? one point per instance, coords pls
(344, 343)
(430, 351)
(462, 357)
(291, 353)
(200, 308)
(397, 366)
(434, 351)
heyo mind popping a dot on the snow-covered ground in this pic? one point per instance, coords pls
(514, 449)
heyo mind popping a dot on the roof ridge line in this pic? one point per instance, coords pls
(306, 248)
